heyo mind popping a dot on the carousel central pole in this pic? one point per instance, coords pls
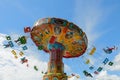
(55, 65)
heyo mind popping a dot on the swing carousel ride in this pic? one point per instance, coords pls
(59, 38)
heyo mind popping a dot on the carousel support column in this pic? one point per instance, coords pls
(55, 64)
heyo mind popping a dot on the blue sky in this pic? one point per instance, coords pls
(100, 19)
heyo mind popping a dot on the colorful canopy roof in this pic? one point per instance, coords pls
(50, 30)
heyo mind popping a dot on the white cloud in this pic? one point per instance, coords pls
(116, 65)
(74, 78)
(67, 68)
(12, 69)
(105, 76)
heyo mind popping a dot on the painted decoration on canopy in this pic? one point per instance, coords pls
(50, 30)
